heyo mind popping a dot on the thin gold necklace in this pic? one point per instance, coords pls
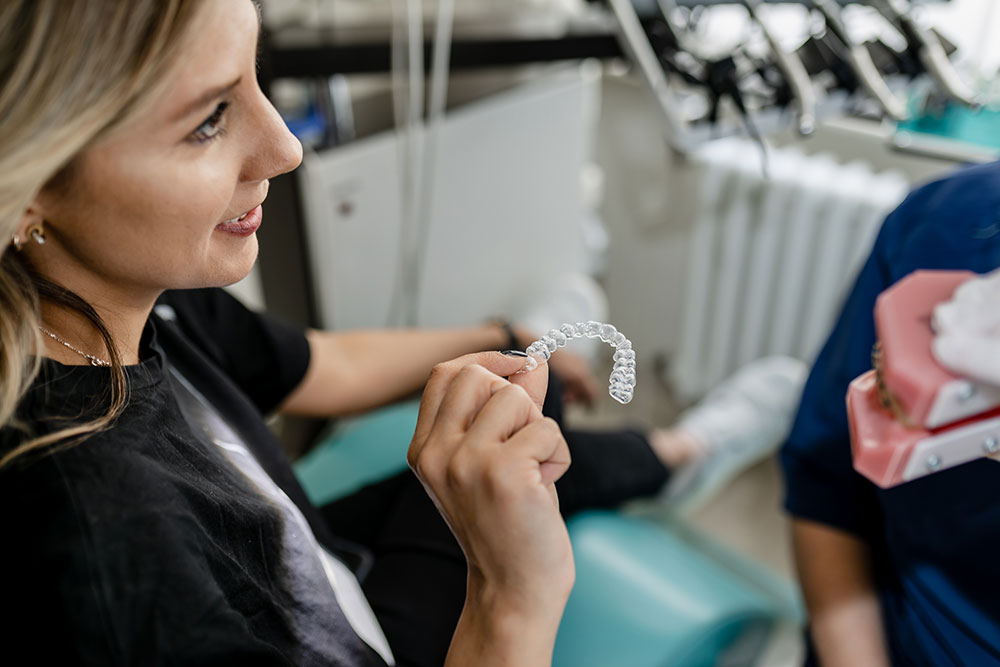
(94, 361)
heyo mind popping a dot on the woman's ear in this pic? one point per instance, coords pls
(31, 227)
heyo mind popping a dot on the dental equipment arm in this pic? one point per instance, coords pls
(860, 61)
(929, 49)
(636, 45)
(835, 573)
(794, 72)
(667, 8)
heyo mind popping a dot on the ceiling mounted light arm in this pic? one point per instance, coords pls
(861, 63)
(668, 9)
(929, 50)
(636, 46)
(793, 70)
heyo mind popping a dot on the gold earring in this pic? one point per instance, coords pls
(16, 241)
(36, 233)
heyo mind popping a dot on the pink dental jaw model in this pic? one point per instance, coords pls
(910, 417)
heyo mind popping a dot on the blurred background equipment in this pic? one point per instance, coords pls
(714, 69)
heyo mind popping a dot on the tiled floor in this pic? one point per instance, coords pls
(745, 517)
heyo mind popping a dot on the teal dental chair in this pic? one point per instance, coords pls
(649, 591)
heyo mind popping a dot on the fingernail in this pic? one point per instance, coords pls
(514, 353)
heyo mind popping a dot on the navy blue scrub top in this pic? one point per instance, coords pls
(935, 541)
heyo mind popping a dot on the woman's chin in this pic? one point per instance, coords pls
(234, 267)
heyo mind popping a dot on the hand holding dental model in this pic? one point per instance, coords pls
(622, 383)
(967, 329)
(932, 401)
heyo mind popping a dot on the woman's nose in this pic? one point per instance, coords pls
(274, 149)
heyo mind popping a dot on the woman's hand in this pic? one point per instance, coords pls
(572, 369)
(489, 460)
(967, 329)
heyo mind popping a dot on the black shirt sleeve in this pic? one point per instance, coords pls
(265, 357)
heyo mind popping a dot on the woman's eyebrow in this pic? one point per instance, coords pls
(206, 98)
(215, 93)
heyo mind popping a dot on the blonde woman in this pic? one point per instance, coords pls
(147, 515)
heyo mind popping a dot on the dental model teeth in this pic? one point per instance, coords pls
(622, 375)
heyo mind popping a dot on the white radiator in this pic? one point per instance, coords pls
(771, 257)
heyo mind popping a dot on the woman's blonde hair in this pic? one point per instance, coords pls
(70, 71)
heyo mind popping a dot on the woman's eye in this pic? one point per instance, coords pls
(213, 126)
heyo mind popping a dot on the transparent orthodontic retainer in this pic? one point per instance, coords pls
(622, 383)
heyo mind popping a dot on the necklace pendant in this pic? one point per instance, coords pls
(94, 361)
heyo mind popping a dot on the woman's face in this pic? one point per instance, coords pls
(172, 198)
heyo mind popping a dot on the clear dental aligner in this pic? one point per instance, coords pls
(622, 375)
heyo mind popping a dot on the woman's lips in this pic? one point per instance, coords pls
(245, 225)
